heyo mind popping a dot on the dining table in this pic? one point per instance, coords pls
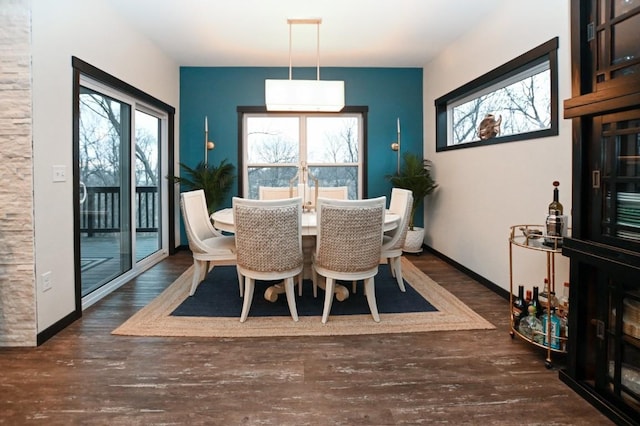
(223, 221)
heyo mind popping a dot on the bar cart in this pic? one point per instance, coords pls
(532, 237)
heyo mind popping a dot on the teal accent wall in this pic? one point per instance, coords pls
(216, 92)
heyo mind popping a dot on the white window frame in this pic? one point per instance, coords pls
(302, 137)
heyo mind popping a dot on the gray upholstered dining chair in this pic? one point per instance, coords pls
(208, 246)
(268, 245)
(348, 246)
(393, 241)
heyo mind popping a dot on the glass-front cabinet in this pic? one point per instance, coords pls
(616, 180)
(619, 344)
(614, 31)
(603, 347)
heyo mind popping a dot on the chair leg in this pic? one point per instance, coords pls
(290, 291)
(370, 291)
(208, 266)
(240, 282)
(354, 285)
(249, 285)
(396, 267)
(329, 288)
(300, 281)
(390, 263)
(315, 283)
(197, 273)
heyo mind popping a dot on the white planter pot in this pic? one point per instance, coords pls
(414, 240)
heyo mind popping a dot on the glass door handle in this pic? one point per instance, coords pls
(83, 197)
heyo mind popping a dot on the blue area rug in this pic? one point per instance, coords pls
(218, 296)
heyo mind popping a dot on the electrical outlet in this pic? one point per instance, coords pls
(59, 173)
(47, 281)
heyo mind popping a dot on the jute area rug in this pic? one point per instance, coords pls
(155, 319)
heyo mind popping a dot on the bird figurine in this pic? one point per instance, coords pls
(489, 127)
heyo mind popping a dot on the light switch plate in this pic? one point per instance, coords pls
(59, 173)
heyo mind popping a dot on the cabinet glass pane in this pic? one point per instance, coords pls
(621, 177)
(602, 11)
(625, 44)
(622, 6)
(632, 69)
(601, 57)
(623, 348)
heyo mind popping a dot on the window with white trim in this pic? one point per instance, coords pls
(278, 146)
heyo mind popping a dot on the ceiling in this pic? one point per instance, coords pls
(353, 33)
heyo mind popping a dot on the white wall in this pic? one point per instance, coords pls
(93, 32)
(484, 190)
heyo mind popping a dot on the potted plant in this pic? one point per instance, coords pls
(215, 181)
(415, 175)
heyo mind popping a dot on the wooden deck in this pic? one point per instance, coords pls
(84, 375)
(101, 259)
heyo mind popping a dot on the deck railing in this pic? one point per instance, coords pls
(100, 212)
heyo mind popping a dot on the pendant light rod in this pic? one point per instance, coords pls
(305, 21)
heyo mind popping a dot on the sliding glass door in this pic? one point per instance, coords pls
(120, 223)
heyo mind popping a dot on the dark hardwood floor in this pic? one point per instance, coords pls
(84, 375)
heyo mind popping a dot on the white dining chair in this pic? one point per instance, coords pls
(276, 192)
(268, 245)
(332, 192)
(348, 246)
(393, 241)
(208, 246)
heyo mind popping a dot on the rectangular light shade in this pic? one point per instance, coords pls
(304, 95)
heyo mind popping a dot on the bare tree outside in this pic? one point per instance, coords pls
(524, 106)
(276, 150)
(101, 123)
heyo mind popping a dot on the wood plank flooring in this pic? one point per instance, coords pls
(86, 376)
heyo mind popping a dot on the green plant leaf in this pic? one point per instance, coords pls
(216, 181)
(415, 175)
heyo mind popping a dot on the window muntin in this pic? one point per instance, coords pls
(278, 145)
(521, 95)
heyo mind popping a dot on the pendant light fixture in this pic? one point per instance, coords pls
(304, 95)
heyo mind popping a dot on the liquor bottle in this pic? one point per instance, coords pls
(543, 297)
(564, 298)
(519, 308)
(564, 332)
(553, 301)
(531, 326)
(555, 220)
(551, 328)
(535, 302)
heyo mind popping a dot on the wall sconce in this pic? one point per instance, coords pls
(208, 145)
(396, 146)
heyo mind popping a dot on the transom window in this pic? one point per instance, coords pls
(278, 146)
(513, 102)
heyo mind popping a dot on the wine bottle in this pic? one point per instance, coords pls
(535, 302)
(519, 307)
(555, 220)
(555, 207)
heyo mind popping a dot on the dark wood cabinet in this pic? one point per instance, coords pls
(603, 359)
